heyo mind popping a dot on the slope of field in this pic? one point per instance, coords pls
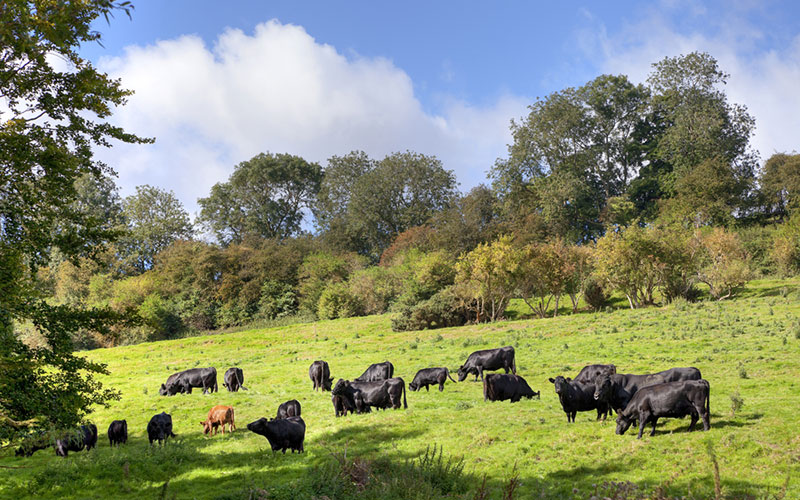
(749, 346)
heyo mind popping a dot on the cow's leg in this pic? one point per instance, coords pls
(441, 386)
(642, 423)
(653, 432)
(480, 370)
(694, 421)
(427, 389)
(574, 413)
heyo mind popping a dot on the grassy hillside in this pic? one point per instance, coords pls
(749, 346)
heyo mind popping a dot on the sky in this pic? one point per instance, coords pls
(218, 82)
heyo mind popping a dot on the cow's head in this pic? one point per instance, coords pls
(623, 423)
(602, 388)
(163, 390)
(340, 387)
(560, 383)
(326, 383)
(413, 386)
(259, 426)
(462, 373)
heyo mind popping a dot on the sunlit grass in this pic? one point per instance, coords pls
(756, 449)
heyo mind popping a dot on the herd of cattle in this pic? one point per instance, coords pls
(673, 393)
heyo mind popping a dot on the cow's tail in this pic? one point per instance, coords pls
(447, 371)
(405, 405)
(514, 365)
(708, 399)
(241, 380)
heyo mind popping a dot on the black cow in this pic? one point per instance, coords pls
(118, 432)
(430, 376)
(84, 437)
(289, 409)
(182, 382)
(282, 434)
(381, 394)
(320, 375)
(160, 428)
(618, 389)
(589, 373)
(672, 400)
(500, 387)
(680, 374)
(489, 359)
(576, 396)
(233, 380)
(378, 371)
(32, 444)
(341, 405)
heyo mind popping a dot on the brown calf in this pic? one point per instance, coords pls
(218, 416)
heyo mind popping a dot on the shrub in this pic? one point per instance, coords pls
(786, 246)
(376, 288)
(277, 300)
(724, 263)
(594, 295)
(156, 314)
(444, 309)
(336, 301)
(319, 270)
(736, 403)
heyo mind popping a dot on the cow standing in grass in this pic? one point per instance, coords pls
(182, 382)
(320, 374)
(219, 416)
(234, 380)
(85, 437)
(577, 396)
(118, 432)
(289, 409)
(283, 434)
(160, 428)
(669, 400)
(430, 376)
(488, 359)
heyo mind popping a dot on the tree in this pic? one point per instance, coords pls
(780, 183)
(486, 277)
(724, 265)
(699, 124)
(574, 150)
(155, 219)
(265, 196)
(626, 260)
(469, 220)
(52, 122)
(370, 203)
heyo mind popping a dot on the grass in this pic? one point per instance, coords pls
(487, 447)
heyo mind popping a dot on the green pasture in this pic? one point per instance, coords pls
(749, 345)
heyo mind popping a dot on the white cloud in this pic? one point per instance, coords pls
(279, 90)
(765, 80)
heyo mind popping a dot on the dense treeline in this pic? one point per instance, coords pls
(648, 190)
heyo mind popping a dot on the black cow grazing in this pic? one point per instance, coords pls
(680, 374)
(576, 396)
(341, 405)
(381, 394)
(320, 375)
(618, 389)
(670, 400)
(233, 380)
(182, 382)
(84, 437)
(32, 444)
(118, 432)
(589, 373)
(489, 359)
(160, 428)
(289, 409)
(283, 434)
(430, 376)
(500, 387)
(378, 371)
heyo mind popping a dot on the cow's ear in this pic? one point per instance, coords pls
(569, 379)
(551, 379)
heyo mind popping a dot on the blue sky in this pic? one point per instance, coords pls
(217, 82)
